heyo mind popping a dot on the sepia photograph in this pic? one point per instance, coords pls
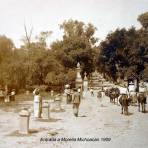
(73, 73)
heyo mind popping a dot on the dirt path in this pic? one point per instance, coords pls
(94, 122)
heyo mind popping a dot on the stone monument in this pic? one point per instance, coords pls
(24, 121)
(78, 77)
(85, 85)
(37, 106)
(58, 102)
(45, 110)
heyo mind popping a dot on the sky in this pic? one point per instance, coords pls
(46, 15)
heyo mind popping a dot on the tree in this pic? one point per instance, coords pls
(42, 38)
(6, 46)
(124, 52)
(78, 45)
(143, 19)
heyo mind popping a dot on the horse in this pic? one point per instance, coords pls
(125, 102)
(141, 101)
(113, 94)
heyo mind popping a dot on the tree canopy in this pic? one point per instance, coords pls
(125, 52)
(122, 54)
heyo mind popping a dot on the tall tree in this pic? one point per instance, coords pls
(143, 19)
(77, 45)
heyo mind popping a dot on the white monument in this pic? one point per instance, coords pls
(85, 85)
(58, 102)
(24, 121)
(78, 77)
(45, 110)
(37, 106)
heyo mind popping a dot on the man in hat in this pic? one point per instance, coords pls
(92, 92)
(76, 102)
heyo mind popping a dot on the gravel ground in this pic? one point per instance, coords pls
(96, 126)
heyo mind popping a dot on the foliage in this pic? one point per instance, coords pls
(143, 19)
(124, 53)
(77, 45)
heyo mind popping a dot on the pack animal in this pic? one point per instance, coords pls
(124, 102)
(141, 101)
(114, 93)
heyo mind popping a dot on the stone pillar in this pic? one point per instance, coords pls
(85, 86)
(37, 106)
(52, 104)
(58, 103)
(78, 77)
(24, 121)
(85, 83)
(45, 110)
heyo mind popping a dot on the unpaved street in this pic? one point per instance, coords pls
(94, 122)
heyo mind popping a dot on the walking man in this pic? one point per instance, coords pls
(91, 92)
(76, 102)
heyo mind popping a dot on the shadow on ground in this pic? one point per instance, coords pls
(58, 111)
(47, 120)
(82, 116)
(129, 114)
(17, 134)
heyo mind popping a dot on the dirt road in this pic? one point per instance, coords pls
(97, 126)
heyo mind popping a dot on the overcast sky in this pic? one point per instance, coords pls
(43, 15)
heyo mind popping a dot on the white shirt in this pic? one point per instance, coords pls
(123, 90)
(13, 93)
(131, 88)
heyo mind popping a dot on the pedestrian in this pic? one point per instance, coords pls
(67, 92)
(80, 91)
(76, 102)
(71, 95)
(37, 103)
(100, 97)
(2, 96)
(91, 92)
(12, 95)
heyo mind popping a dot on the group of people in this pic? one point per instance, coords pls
(6, 96)
(74, 95)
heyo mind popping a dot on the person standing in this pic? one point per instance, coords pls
(2, 96)
(67, 92)
(37, 103)
(76, 102)
(80, 91)
(100, 97)
(12, 95)
(91, 92)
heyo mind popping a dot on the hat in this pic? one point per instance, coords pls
(37, 91)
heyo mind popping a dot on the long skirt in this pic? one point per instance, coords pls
(37, 109)
(69, 98)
